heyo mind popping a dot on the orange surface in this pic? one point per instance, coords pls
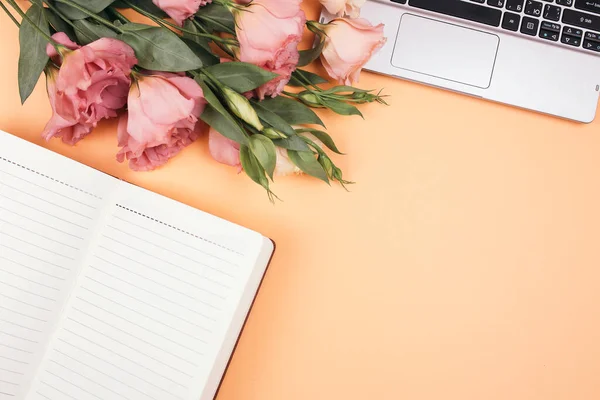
(464, 264)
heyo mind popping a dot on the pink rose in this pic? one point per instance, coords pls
(163, 115)
(349, 45)
(180, 10)
(227, 151)
(91, 85)
(342, 8)
(269, 32)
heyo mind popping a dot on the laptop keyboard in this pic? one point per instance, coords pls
(570, 23)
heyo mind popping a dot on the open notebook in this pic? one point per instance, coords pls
(109, 291)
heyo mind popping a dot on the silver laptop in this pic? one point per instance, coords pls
(538, 55)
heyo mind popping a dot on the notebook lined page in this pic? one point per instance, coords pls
(47, 211)
(152, 307)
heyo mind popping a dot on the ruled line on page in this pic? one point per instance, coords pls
(110, 326)
(138, 312)
(105, 374)
(37, 246)
(129, 347)
(9, 383)
(44, 212)
(16, 348)
(160, 271)
(171, 251)
(148, 304)
(58, 390)
(158, 283)
(35, 258)
(20, 326)
(19, 337)
(46, 201)
(145, 328)
(24, 302)
(41, 223)
(23, 315)
(86, 378)
(38, 234)
(117, 367)
(178, 229)
(7, 394)
(11, 371)
(26, 279)
(47, 189)
(27, 291)
(154, 294)
(49, 177)
(129, 247)
(146, 229)
(125, 358)
(14, 360)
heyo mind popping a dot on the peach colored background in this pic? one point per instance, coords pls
(465, 264)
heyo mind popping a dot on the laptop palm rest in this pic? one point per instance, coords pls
(445, 51)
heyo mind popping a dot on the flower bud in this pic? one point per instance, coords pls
(327, 165)
(242, 108)
(310, 99)
(272, 133)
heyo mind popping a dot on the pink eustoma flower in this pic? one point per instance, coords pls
(349, 45)
(269, 32)
(163, 118)
(91, 85)
(180, 10)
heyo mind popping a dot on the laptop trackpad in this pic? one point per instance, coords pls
(445, 51)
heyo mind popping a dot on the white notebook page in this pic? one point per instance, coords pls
(47, 214)
(153, 305)
(109, 291)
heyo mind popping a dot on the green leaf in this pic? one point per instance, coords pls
(308, 56)
(241, 77)
(264, 150)
(292, 143)
(33, 57)
(300, 77)
(211, 98)
(189, 25)
(306, 161)
(323, 137)
(292, 111)
(206, 56)
(342, 88)
(59, 24)
(223, 124)
(159, 49)
(214, 15)
(254, 170)
(339, 107)
(88, 31)
(94, 6)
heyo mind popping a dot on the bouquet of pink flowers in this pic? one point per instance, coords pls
(218, 63)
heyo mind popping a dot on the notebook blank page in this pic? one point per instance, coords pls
(152, 308)
(48, 208)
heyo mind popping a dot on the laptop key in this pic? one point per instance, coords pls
(511, 21)
(567, 3)
(529, 26)
(533, 8)
(496, 3)
(514, 5)
(552, 12)
(550, 31)
(588, 5)
(581, 20)
(461, 9)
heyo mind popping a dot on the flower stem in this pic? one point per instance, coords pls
(66, 19)
(90, 14)
(12, 17)
(221, 45)
(14, 5)
(120, 16)
(215, 22)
